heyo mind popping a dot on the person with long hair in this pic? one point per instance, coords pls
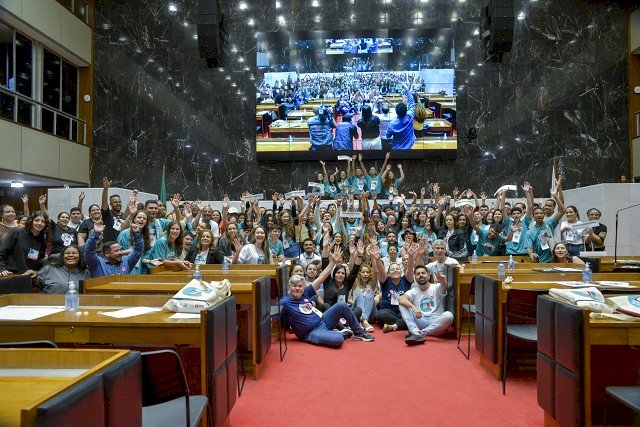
(329, 181)
(61, 234)
(24, 248)
(225, 244)
(370, 128)
(126, 240)
(256, 252)
(8, 220)
(390, 184)
(95, 215)
(363, 293)
(573, 238)
(288, 234)
(54, 277)
(203, 252)
(169, 249)
(561, 254)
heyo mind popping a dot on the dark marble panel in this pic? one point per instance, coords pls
(560, 94)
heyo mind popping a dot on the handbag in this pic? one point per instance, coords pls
(198, 295)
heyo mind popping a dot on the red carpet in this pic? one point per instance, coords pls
(382, 382)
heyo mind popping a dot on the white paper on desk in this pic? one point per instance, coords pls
(130, 312)
(296, 193)
(615, 284)
(505, 188)
(577, 284)
(567, 269)
(28, 312)
(185, 316)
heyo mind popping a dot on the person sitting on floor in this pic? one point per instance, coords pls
(422, 307)
(308, 323)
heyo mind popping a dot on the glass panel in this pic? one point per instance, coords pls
(62, 126)
(6, 57)
(82, 11)
(51, 80)
(6, 106)
(24, 65)
(25, 113)
(69, 88)
(74, 131)
(47, 120)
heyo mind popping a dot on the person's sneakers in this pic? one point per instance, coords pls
(367, 326)
(364, 336)
(414, 340)
(408, 334)
(346, 332)
(389, 328)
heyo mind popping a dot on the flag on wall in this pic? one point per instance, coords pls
(163, 185)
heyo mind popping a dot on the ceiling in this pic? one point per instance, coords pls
(6, 176)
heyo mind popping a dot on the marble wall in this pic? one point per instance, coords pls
(560, 94)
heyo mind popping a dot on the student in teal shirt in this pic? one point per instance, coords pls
(374, 180)
(329, 181)
(539, 240)
(276, 248)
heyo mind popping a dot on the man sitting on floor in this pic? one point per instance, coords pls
(422, 307)
(308, 323)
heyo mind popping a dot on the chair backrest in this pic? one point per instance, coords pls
(220, 357)
(123, 391)
(450, 299)
(262, 309)
(80, 405)
(521, 306)
(16, 284)
(486, 292)
(163, 377)
(594, 263)
(29, 344)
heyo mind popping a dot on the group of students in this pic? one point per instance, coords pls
(355, 249)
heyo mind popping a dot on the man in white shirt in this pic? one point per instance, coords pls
(440, 253)
(422, 307)
(308, 255)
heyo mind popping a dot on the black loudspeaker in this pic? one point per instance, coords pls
(210, 32)
(498, 19)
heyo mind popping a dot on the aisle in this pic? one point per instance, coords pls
(383, 382)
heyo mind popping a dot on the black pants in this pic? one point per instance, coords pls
(390, 316)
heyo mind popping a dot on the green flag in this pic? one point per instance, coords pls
(163, 186)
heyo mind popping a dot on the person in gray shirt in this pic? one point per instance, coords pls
(54, 278)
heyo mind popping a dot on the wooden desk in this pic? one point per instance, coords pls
(327, 101)
(438, 125)
(607, 262)
(60, 369)
(290, 129)
(266, 145)
(542, 282)
(300, 114)
(266, 107)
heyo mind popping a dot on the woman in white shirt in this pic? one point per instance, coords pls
(257, 252)
(573, 238)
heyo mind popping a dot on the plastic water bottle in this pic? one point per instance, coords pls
(586, 273)
(511, 266)
(226, 264)
(501, 274)
(290, 139)
(196, 274)
(474, 257)
(444, 136)
(71, 298)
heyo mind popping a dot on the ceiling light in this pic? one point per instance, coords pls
(173, 7)
(242, 6)
(521, 16)
(17, 184)
(251, 22)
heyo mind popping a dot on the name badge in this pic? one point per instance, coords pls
(394, 298)
(342, 298)
(33, 254)
(117, 223)
(516, 237)
(374, 185)
(544, 243)
(285, 244)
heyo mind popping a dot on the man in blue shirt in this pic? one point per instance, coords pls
(308, 323)
(113, 261)
(539, 238)
(401, 128)
(320, 128)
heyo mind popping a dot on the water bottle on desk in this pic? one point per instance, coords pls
(586, 273)
(290, 139)
(474, 257)
(501, 273)
(196, 274)
(512, 264)
(226, 264)
(71, 298)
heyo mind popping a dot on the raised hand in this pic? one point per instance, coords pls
(98, 227)
(412, 250)
(322, 163)
(360, 247)
(326, 239)
(483, 195)
(374, 251)
(175, 201)
(526, 187)
(25, 198)
(81, 196)
(106, 183)
(237, 244)
(386, 156)
(42, 199)
(399, 166)
(436, 188)
(455, 192)
(360, 156)
(336, 255)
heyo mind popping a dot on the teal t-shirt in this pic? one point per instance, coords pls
(516, 246)
(485, 245)
(374, 184)
(540, 239)
(359, 184)
(330, 189)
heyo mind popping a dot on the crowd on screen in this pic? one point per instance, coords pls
(363, 242)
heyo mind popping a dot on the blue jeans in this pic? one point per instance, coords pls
(324, 334)
(293, 251)
(574, 248)
(426, 325)
(364, 300)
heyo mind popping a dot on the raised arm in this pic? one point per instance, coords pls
(42, 201)
(81, 197)
(175, 202)
(528, 193)
(386, 162)
(374, 252)
(325, 175)
(555, 194)
(25, 204)
(336, 258)
(413, 251)
(364, 170)
(105, 193)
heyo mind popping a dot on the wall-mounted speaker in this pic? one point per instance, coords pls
(497, 20)
(211, 32)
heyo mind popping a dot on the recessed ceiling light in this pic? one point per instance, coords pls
(173, 7)
(17, 184)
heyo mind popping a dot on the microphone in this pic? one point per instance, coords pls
(615, 250)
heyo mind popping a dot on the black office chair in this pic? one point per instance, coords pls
(628, 396)
(165, 393)
(519, 322)
(277, 315)
(29, 344)
(468, 310)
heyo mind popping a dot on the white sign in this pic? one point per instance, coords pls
(347, 158)
(313, 194)
(346, 214)
(316, 184)
(462, 202)
(505, 188)
(583, 225)
(296, 193)
(251, 197)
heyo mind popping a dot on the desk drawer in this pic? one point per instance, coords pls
(634, 336)
(72, 334)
